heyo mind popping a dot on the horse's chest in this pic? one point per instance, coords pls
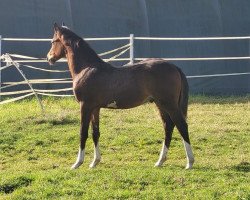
(82, 89)
(81, 92)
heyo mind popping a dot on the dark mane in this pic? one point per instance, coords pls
(79, 45)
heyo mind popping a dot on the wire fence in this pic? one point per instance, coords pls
(15, 60)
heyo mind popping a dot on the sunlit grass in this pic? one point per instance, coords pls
(37, 150)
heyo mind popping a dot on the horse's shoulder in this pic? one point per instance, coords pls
(83, 76)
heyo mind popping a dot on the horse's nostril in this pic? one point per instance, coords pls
(51, 60)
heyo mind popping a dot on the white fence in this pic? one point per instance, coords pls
(19, 61)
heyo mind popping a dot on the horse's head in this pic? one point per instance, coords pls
(65, 42)
(57, 49)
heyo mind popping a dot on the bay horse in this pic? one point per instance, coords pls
(97, 84)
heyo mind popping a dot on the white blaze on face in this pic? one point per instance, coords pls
(79, 160)
(112, 105)
(163, 156)
(189, 154)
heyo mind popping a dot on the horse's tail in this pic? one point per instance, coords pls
(183, 100)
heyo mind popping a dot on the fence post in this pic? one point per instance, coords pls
(131, 50)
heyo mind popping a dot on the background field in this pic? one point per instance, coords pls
(36, 152)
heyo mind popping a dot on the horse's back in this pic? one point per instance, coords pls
(155, 73)
(162, 79)
(155, 66)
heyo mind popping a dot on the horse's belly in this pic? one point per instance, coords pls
(127, 101)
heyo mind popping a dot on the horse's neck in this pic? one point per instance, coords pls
(81, 59)
(72, 63)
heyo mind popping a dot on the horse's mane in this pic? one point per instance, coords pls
(79, 44)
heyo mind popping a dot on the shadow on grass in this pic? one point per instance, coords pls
(182, 167)
(56, 121)
(14, 184)
(242, 167)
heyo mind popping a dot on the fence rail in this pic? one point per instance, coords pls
(135, 38)
(48, 40)
(192, 38)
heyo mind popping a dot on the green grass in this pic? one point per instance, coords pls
(36, 152)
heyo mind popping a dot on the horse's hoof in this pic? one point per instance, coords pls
(94, 163)
(189, 165)
(158, 164)
(76, 165)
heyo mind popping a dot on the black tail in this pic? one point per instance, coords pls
(183, 101)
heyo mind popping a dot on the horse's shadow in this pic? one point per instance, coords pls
(194, 168)
(56, 121)
(241, 167)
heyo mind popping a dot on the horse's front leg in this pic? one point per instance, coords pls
(96, 135)
(85, 119)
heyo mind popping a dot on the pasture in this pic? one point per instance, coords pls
(37, 151)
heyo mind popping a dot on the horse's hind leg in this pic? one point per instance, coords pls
(168, 127)
(96, 135)
(181, 124)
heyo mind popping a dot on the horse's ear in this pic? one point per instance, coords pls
(56, 27)
(64, 26)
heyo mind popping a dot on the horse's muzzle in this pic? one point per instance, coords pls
(51, 60)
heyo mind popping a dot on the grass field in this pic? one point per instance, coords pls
(37, 151)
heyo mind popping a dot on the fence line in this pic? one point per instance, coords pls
(192, 38)
(136, 38)
(114, 50)
(114, 58)
(63, 60)
(37, 81)
(10, 62)
(6, 66)
(7, 58)
(218, 75)
(12, 84)
(36, 90)
(46, 70)
(200, 59)
(56, 95)
(15, 99)
(48, 40)
(69, 80)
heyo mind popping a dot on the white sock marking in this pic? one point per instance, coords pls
(80, 159)
(163, 156)
(189, 154)
(97, 157)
